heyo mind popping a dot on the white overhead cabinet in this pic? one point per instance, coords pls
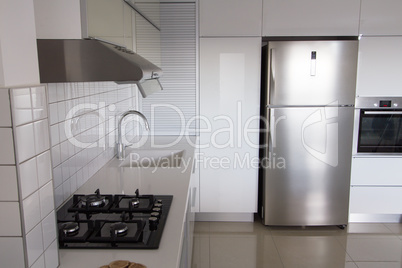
(381, 17)
(310, 18)
(380, 66)
(230, 17)
(229, 109)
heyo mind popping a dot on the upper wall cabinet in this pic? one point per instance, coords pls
(110, 20)
(230, 17)
(381, 17)
(310, 17)
(379, 66)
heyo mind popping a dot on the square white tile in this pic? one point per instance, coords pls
(39, 103)
(40, 263)
(22, 107)
(52, 92)
(46, 197)
(10, 225)
(5, 108)
(28, 177)
(52, 256)
(54, 135)
(42, 139)
(9, 183)
(61, 109)
(58, 196)
(25, 142)
(53, 114)
(56, 159)
(31, 207)
(7, 147)
(44, 165)
(57, 177)
(49, 230)
(34, 244)
(60, 91)
(12, 252)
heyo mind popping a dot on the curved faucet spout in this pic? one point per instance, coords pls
(120, 146)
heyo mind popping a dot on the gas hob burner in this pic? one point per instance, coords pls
(93, 200)
(70, 228)
(135, 202)
(118, 229)
(92, 203)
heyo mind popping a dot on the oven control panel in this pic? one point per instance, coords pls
(378, 102)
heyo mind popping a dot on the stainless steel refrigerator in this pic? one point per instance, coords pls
(309, 107)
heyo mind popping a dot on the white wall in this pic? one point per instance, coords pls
(18, 54)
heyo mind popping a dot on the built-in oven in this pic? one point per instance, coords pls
(378, 125)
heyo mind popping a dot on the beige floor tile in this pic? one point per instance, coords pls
(350, 265)
(310, 252)
(201, 227)
(368, 228)
(230, 227)
(307, 231)
(374, 249)
(378, 264)
(200, 257)
(395, 228)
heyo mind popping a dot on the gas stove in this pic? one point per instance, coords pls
(97, 221)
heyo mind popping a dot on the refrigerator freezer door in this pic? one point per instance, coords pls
(312, 72)
(307, 166)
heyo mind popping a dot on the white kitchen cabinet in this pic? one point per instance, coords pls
(375, 200)
(229, 109)
(381, 17)
(380, 66)
(230, 17)
(310, 17)
(375, 171)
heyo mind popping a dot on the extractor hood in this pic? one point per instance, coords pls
(89, 60)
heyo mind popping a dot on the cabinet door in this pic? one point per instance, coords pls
(381, 17)
(379, 66)
(230, 18)
(373, 171)
(229, 109)
(310, 17)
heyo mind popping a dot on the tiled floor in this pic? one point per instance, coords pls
(253, 245)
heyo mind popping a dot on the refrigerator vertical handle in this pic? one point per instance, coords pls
(272, 138)
(271, 73)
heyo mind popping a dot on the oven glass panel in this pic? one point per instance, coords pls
(380, 131)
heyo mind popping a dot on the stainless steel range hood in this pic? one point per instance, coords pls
(88, 60)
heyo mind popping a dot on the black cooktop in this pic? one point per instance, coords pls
(99, 221)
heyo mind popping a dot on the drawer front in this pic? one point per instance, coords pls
(376, 200)
(377, 171)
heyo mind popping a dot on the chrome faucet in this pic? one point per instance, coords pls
(120, 145)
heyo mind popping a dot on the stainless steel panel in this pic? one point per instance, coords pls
(315, 143)
(374, 102)
(312, 72)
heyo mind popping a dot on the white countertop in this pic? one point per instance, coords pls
(163, 181)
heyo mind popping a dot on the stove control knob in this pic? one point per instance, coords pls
(153, 223)
(158, 205)
(159, 201)
(157, 210)
(155, 214)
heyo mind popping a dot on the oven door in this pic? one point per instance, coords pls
(380, 131)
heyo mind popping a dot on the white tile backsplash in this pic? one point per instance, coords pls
(51, 256)
(40, 263)
(34, 243)
(44, 165)
(39, 104)
(46, 199)
(10, 223)
(5, 112)
(31, 206)
(22, 106)
(7, 146)
(78, 157)
(49, 230)
(25, 142)
(9, 183)
(41, 132)
(28, 177)
(12, 252)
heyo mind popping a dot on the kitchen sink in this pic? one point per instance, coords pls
(152, 158)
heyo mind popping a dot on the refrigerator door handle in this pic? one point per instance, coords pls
(271, 70)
